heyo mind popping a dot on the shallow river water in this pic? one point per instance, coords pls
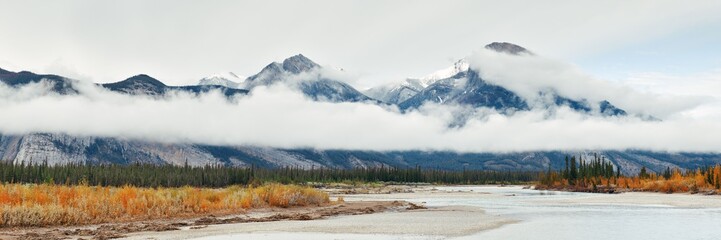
(548, 220)
(552, 215)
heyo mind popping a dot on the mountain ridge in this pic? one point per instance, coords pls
(455, 85)
(39, 148)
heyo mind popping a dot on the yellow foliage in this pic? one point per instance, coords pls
(700, 179)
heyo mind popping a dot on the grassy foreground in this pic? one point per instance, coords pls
(49, 204)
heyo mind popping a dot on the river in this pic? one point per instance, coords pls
(507, 213)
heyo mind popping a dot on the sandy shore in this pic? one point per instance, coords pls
(444, 221)
(447, 221)
(168, 226)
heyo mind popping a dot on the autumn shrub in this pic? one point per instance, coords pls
(678, 183)
(46, 204)
(599, 175)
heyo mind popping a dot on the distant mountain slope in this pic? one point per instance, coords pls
(467, 87)
(277, 72)
(298, 71)
(396, 93)
(508, 48)
(145, 85)
(333, 91)
(60, 84)
(138, 85)
(455, 85)
(63, 149)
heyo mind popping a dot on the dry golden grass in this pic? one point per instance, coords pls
(692, 182)
(44, 205)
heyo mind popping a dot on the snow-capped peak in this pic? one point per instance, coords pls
(227, 75)
(228, 79)
(459, 66)
(401, 91)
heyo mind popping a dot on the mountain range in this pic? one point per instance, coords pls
(457, 85)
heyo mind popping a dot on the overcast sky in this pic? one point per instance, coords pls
(652, 58)
(180, 42)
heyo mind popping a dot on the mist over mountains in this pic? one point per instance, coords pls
(502, 107)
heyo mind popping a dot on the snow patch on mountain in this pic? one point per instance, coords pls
(399, 92)
(396, 92)
(316, 82)
(458, 67)
(229, 79)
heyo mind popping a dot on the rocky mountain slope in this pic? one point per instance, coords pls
(466, 87)
(63, 149)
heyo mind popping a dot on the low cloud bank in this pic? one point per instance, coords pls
(281, 117)
(526, 75)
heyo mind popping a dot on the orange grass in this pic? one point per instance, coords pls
(691, 182)
(46, 204)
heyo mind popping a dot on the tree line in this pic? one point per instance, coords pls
(149, 175)
(596, 168)
(600, 175)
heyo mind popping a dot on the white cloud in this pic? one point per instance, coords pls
(62, 68)
(706, 85)
(699, 84)
(280, 117)
(526, 75)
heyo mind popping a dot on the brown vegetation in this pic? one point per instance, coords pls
(48, 204)
(116, 230)
(586, 179)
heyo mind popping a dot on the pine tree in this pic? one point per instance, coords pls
(566, 172)
(667, 173)
(573, 174)
(643, 174)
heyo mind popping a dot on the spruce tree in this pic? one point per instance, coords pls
(643, 174)
(667, 173)
(566, 171)
(573, 174)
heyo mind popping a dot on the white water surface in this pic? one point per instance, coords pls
(547, 220)
(549, 215)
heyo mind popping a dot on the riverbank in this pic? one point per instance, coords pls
(410, 220)
(419, 212)
(197, 224)
(449, 221)
(486, 212)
